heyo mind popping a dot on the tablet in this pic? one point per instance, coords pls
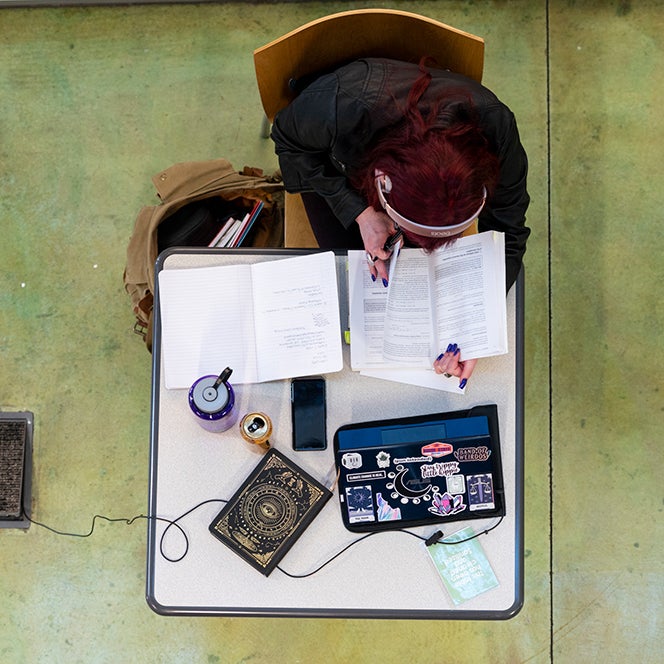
(428, 469)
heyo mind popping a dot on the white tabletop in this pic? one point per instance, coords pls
(387, 575)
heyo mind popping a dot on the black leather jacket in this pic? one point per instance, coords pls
(321, 136)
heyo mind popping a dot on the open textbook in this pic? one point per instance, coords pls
(266, 321)
(456, 294)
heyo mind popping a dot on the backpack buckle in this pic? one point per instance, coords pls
(140, 328)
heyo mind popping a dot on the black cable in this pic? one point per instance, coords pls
(130, 521)
(174, 522)
(486, 531)
(433, 540)
(125, 520)
(336, 555)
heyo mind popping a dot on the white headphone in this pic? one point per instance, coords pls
(384, 186)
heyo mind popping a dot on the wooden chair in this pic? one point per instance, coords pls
(328, 42)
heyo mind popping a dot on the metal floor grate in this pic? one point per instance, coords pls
(15, 469)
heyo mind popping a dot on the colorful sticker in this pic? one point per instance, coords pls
(480, 492)
(437, 449)
(385, 511)
(383, 459)
(445, 504)
(481, 453)
(456, 484)
(359, 503)
(351, 460)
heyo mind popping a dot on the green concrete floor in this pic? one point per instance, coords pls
(93, 101)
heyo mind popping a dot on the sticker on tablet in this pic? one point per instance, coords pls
(445, 504)
(359, 503)
(480, 492)
(385, 511)
(437, 449)
(480, 453)
(351, 460)
(456, 484)
(383, 459)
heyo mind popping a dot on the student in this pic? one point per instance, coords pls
(380, 145)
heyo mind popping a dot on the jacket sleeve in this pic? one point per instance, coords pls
(305, 134)
(506, 210)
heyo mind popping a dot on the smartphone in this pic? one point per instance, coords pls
(308, 410)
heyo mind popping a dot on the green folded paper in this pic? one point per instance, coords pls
(463, 567)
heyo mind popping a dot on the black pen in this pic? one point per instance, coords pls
(392, 240)
(388, 246)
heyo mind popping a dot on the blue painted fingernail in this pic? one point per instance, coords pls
(462, 384)
(440, 357)
(385, 283)
(373, 277)
(457, 350)
(454, 348)
(449, 349)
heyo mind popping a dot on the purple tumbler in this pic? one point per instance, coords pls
(212, 401)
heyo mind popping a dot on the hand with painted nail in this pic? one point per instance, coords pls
(449, 363)
(375, 228)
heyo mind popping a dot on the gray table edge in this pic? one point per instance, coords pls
(153, 548)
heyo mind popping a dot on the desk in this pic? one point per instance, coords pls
(388, 575)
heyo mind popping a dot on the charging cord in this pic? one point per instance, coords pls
(130, 521)
(435, 539)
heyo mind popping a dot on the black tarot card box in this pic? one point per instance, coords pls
(270, 511)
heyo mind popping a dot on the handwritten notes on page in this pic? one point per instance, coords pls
(267, 321)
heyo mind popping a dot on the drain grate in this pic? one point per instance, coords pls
(15, 469)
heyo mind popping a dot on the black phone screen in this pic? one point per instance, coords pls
(308, 409)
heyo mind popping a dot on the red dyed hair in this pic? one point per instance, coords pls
(438, 160)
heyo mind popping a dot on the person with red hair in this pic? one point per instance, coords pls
(381, 146)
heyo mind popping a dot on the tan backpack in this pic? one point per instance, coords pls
(210, 182)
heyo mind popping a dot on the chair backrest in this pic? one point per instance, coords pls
(331, 41)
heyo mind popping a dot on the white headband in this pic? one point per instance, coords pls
(384, 186)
